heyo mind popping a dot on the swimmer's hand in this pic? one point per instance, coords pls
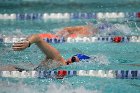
(20, 45)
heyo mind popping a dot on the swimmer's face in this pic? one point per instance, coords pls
(72, 59)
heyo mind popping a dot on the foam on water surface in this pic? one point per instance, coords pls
(20, 87)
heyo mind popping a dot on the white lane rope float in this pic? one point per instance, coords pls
(111, 39)
(118, 74)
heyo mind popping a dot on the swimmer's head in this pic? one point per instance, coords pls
(77, 58)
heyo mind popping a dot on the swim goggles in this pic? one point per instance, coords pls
(73, 59)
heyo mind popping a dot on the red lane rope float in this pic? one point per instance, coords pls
(117, 39)
(138, 15)
(61, 74)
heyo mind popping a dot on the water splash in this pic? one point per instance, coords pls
(100, 59)
(52, 88)
(7, 87)
(124, 29)
(18, 32)
(12, 33)
(106, 28)
(137, 26)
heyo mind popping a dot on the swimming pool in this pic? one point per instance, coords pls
(110, 56)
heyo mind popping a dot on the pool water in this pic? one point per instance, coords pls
(110, 56)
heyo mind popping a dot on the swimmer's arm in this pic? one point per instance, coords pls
(61, 33)
(76, 28)
(72, 30)
(68, 30)
(46, 48)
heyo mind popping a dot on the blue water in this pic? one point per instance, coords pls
(111, 56)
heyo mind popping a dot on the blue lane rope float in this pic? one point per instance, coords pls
(55, 40)
(1, 39)
(30, 16)
(109, 39)
(46, 16)
(118, 74)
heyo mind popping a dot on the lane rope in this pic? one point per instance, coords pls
(119, 74)
(46, 16)
(110, 39)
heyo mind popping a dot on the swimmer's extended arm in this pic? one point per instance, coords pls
(71, 30)
(75, 28)
(85, 30)
(81, 30)
(47, 49)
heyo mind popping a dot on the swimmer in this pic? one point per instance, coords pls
(73, 32)
(103, 28)
(80, 31)
(52, 54)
